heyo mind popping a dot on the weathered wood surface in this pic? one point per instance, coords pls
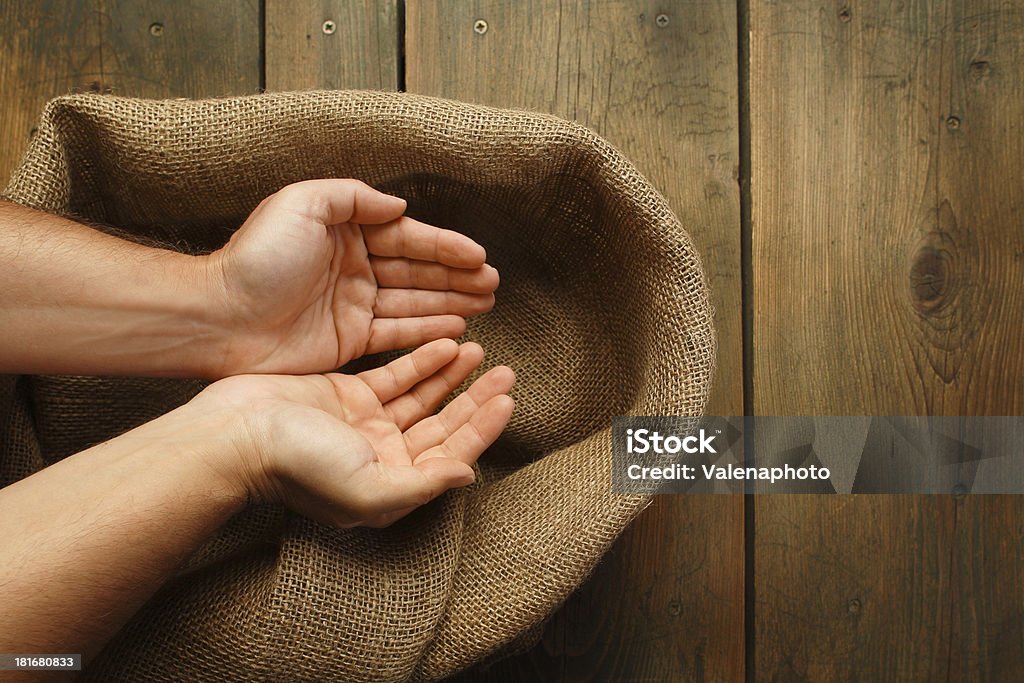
(332, 44)
(140, 48)
(667, 603)
(888, 258)
(46, 48)
(887, 262)
(195, 48)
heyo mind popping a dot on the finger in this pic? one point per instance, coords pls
(434, 430)
(471, 439)
(334, 200)
(388, 334)
(443, 475)
(402, 374)
(381, 490)
(402, 272)
(389, 518)
(446, 473)
(424, 398)
(415, 303)
(409, 238)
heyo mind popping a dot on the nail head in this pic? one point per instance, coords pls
(156, 29)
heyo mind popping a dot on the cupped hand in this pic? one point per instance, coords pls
(365, 449)
(325, 271)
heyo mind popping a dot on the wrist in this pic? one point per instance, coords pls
(211, 313)
(235, 428)
(211, 441)
(228, 335)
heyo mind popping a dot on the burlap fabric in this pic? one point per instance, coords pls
(602, 311)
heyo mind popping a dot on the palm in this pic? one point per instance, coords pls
(311, 298)
(312, 285)
(367, 448)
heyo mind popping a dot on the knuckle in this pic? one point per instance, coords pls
(417, 396)
(356, 185)
(292, 192)
(477, 434)
(392, 377)
(425, 495)
(417, 367)
(444, 419)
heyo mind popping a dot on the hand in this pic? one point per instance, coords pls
(345, 450)
(325, 271)
(365, 449)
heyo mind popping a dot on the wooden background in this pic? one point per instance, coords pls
(851, 171)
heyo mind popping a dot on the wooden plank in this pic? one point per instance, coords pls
(145, 49)
(888, 258)
(988, 590)
(48, 48)
(193, 48)
(332, 44)
(667, 604)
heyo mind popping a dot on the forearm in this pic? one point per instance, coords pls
(85, 542)
(78, 301)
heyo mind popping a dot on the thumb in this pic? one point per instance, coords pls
(336, 200)
(386, 489)
(446, 473)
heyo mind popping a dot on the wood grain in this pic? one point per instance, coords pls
(138, 48)
(667, 603)
(332, 44)
(191, 48)
(46, 49)
(888, 257)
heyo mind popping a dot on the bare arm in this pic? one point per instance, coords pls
(85, 542)
(321, 272)
(79, 301)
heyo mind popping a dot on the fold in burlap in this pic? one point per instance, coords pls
(602, 311)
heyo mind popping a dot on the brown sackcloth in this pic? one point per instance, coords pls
(602, 311)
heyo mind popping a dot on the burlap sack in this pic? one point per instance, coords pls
(602, 311)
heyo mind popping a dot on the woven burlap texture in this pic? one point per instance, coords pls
(602, 311)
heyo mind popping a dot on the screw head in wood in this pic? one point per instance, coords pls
(661, 20)
(953, 122)
(480, 26)
(156, 29)
(329, 27)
